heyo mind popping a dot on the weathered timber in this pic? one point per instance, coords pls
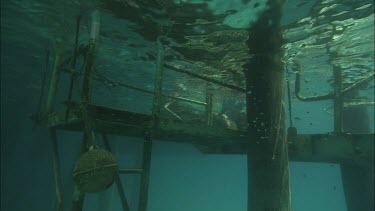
(358, 176)
(268, 162)
(118, 122)
(88, 137)
(57, 171)
(53, 83)
(328, 148)
(358, 183)
(119, 185)
(145, 176)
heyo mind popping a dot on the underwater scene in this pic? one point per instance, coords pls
(187, 105)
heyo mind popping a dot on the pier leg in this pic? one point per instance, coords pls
(56, 168)
(358, 182)
(78, 199)
(146, 165)
(268, 165)
(120, 189)
(53, 83)
(88, 137)
(338, 100)
(158, 83)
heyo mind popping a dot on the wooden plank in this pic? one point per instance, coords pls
(78, 200)
(87, 126)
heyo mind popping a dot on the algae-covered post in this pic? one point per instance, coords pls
(87, 78)
(57, 172)
(158, 83)
(145, 177)
(147, 144)
(338, 100)
(268, 168)
(49, 109)
(54, 82)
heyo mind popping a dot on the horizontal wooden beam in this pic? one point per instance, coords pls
(125, 123)
(328, 148)
(131, 171)
(333, 148)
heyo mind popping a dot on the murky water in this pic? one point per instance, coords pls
(205, 53)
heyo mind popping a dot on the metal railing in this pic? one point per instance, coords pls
(337, 95)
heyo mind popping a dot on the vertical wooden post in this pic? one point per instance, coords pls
(158, 83)
(73, 76)
(49, 108)
(357, 179)
(88, 133)
(358, 183)
(88, 79)
(53, 83)
(86, 96)
(120, 189)
(209, 107)
(88, 137)
(268, 165)
(145, 177)
(338, 100)
(56, 168)
(147, 145)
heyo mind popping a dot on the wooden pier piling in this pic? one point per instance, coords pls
(268, 164)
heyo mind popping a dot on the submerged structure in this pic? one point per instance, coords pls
(227, 66)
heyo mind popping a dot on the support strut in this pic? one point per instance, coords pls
(268, 165)
(145, 176)
(119, 185)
